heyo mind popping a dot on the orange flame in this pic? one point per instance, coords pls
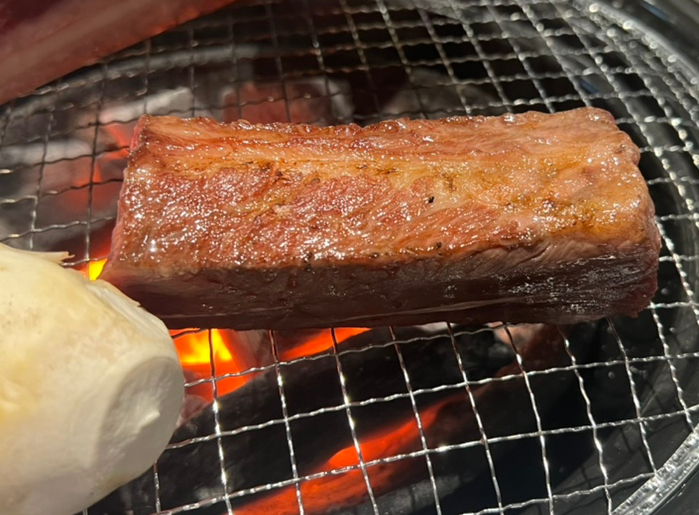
(196, 348)
(94, 268)
(193, 348)
(320, 343)
(231, 354)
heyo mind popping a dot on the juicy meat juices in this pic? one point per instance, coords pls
(522, 218)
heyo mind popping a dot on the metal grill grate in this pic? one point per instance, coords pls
(619, 435)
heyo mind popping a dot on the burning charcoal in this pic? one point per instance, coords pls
(255, 456)
(234, 354)
(462, 476)
(311, 342)
(192, 406)
(314, 100)
(253, 349)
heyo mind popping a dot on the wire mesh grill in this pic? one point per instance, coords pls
(624, 419)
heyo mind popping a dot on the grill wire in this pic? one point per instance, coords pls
(62, 150)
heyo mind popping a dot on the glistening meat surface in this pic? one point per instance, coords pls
(524, 218)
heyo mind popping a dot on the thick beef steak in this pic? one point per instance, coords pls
(524, 218)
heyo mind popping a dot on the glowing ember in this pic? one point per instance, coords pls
(193, 347)
(320, 343)
(233, 353)
(374, 448)
(197, 348)
(349, 488)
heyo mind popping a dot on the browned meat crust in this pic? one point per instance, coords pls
(523, 218)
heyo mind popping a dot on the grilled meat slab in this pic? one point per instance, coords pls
(523, 218)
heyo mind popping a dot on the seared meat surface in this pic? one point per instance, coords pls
(524, 218)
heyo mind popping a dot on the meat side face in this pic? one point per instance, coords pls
(522, 218)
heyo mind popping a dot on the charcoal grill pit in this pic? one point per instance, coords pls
(619, 438)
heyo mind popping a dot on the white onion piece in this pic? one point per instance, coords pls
(90, 387)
